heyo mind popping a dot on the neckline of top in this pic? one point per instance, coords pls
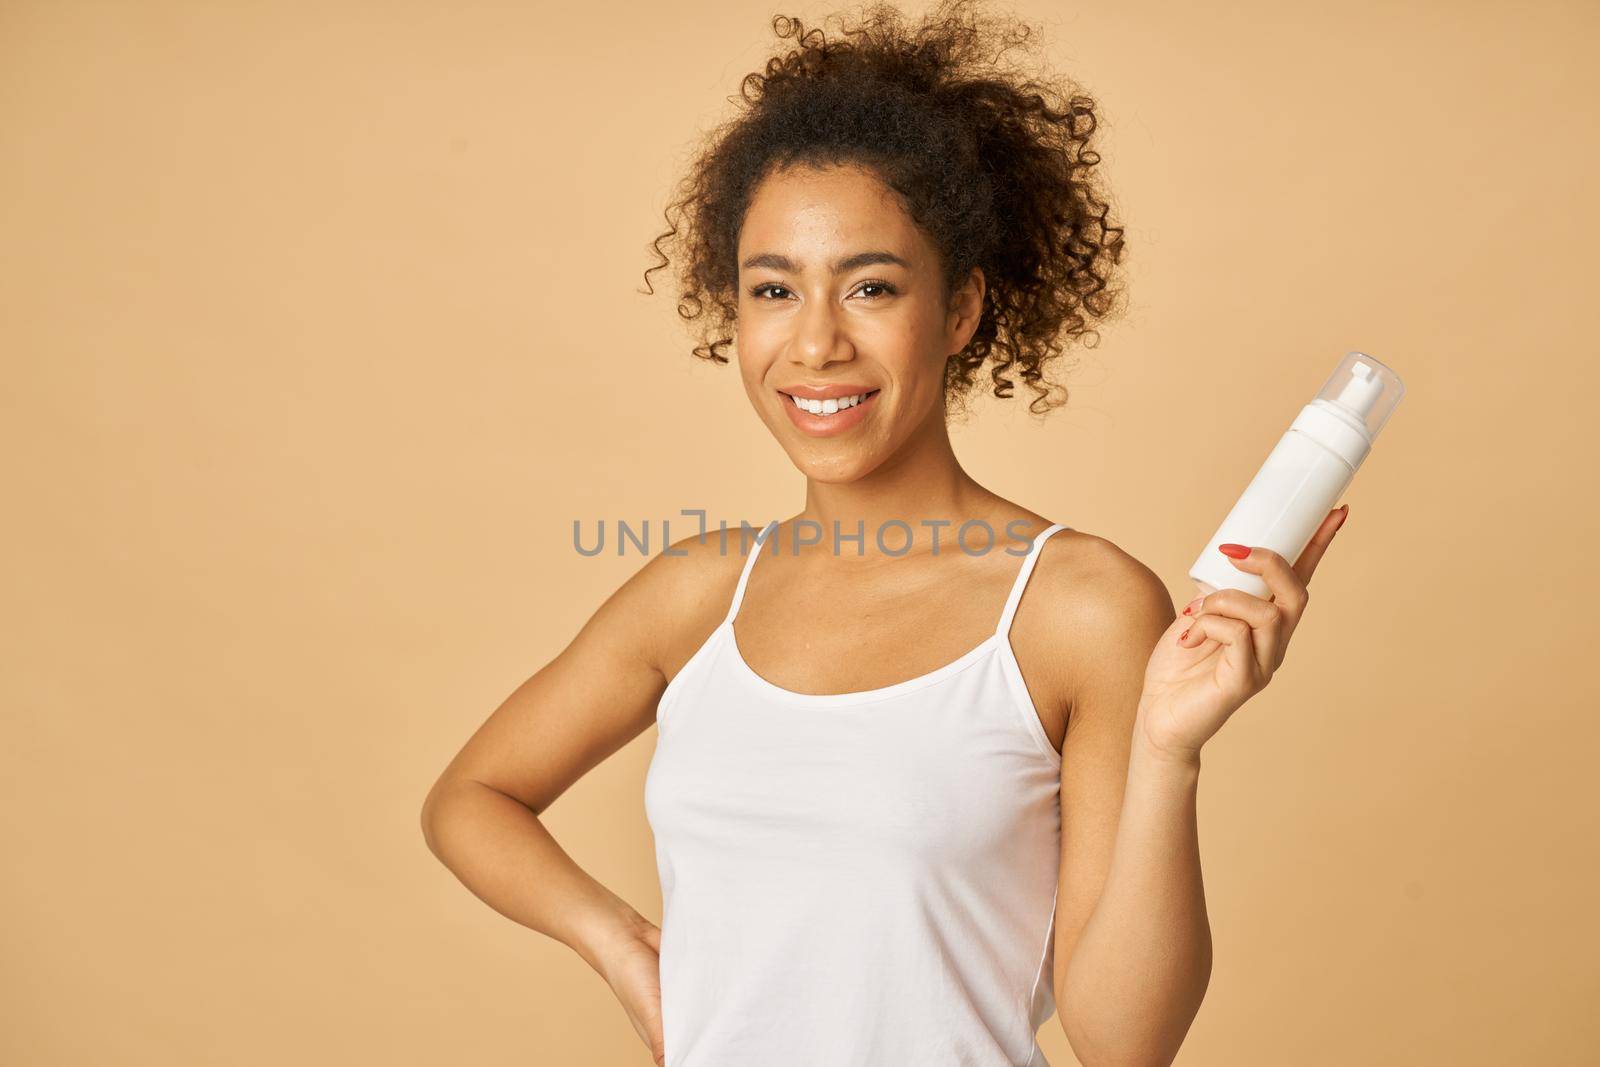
(894, 689)
(859, 696)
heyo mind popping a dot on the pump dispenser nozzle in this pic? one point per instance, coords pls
(1360, 391)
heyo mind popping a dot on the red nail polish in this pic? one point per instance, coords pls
(1236, 551)
(1183, 635)
(1186, 611)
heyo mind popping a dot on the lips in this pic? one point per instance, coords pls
(829, 425)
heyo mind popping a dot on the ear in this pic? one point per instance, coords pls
(965, 310)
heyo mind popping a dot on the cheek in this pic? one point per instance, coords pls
(906, 336)
(754, 371)
(757, 324)
(755, 350)
(914, 362)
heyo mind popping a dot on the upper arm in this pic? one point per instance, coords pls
(596, 695)
(1111, 625)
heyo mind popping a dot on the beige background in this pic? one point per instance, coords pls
(320, 328)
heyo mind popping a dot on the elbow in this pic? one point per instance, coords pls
(1098, 1052)
(1154, 1045)
(428, 822)
(1122, 1057)
(432, 815)
(439, 809)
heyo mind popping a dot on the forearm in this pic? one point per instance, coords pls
(503, 853)
(1141, 965)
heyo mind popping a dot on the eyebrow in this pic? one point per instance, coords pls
(840, 266)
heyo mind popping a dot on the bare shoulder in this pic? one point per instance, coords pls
(1096, 584)
(1089, 606)
(684, 592)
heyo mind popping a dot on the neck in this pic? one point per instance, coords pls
(918, 494)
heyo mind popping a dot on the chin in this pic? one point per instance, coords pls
(836, 470)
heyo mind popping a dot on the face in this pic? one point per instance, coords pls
(840, 295)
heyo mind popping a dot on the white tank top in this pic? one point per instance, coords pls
(857, 879)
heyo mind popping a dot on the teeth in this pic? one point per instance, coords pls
(827, 407)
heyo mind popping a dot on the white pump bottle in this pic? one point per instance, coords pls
(1305, 473)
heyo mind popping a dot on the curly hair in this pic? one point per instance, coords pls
(992, 164)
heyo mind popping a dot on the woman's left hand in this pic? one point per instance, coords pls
(1224, 650)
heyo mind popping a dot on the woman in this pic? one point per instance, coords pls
(902, 811)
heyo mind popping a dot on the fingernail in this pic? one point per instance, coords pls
(1195, 603)
(1236, 551)
(1345, 515)
(1182, 636)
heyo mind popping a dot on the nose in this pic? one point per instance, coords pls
(820, 338)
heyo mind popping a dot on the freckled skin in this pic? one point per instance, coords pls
(820, 328)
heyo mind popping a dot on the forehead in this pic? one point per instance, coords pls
(813, 214)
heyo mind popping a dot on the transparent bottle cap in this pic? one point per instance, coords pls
(1364, 388)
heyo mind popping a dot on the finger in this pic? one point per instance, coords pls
(1288, 591)
(1306, 565)
(1269, 628)
(1238, 650)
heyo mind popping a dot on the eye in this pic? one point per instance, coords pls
(885, 290)
(888, 290)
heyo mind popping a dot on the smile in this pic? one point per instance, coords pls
(823, 418)
(832, 406)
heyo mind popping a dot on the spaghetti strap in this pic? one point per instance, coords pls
(749, 562)
(1022, 577)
